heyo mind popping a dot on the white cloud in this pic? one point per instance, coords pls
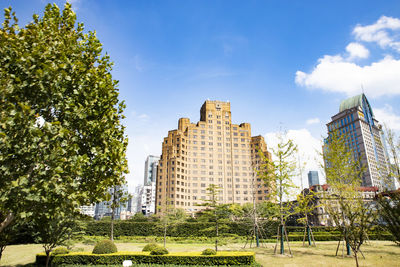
(309, 148)
(341, 73)
(380, 32)
(387, 116)
(313, 121)
(335, 74)
(143, 116)
(357, 50)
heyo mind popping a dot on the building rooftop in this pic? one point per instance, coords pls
(356, 101)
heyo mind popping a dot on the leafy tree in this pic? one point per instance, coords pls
(393, 142)
(117, 197)
(170, 217)
(389, 209)
(54, 229)
(345, 205)
(215, 213)
(277, 174)
(60, 117)
(305, 205)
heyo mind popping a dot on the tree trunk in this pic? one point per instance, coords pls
(112, 225)
(47, 257)
(216, 239)
(7, 221)
(282, 232)
(2, 248)
(165, 234)
(356, 257)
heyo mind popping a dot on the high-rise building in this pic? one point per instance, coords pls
(365, 138)
(313, 178)
(150, 169)
(211, 151)
(148, 194)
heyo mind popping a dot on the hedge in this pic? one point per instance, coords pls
(194, 258)
(187, 229)
(196, 229)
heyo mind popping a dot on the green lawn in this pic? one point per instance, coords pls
(377, 253)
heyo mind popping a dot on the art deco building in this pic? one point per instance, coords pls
(212, 151)
(364, 136)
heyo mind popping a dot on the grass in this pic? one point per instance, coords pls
(377, 253)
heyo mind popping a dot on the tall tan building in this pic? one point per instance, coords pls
(212, 151)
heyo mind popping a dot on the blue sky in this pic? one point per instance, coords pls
(280, 63)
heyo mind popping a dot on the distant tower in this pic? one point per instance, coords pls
(364, 137)
(313, 178)
(148, 194)
(150, 169)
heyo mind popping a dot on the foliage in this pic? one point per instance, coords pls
(150, 247)
(277, 174)
(159, 251)
(216, 213)
(60, 250)
(105, 247)
(345, 204)
(389, 209)
(208, 251)
(305, 205)
(181, 229)
(393, 142)
(223, 258)
(61, 139)
(54, 229)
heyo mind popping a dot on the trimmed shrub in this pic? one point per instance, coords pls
(150, 247)
(60, 250)
(159, 251)
(105, 247)
(226, 258)
(209, 251)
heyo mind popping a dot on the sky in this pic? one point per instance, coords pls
(281, 64)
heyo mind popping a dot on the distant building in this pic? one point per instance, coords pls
(148, 193)
(88, 210)
(364, 136)
(150, 169)
(313, 178)
(103, 209)
(325, 194)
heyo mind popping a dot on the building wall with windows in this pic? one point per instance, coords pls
(150, 169)
(313, 178)
(364, 137)
(212, 151)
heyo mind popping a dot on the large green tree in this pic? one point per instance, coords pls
(60, 117)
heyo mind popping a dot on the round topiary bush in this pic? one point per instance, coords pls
(104, 247)
(60, 250)
(150, 247)
(159, 251)
(209, 251)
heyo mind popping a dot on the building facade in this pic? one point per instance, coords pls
(364, 136)
(212, 151)
(324, 195)
(150, 169)
(313, 178)
(148, 193)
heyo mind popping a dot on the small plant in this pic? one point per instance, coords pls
(104, 247)
(209, 251)
(150, 247)
(60, 250)
(159, 251)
